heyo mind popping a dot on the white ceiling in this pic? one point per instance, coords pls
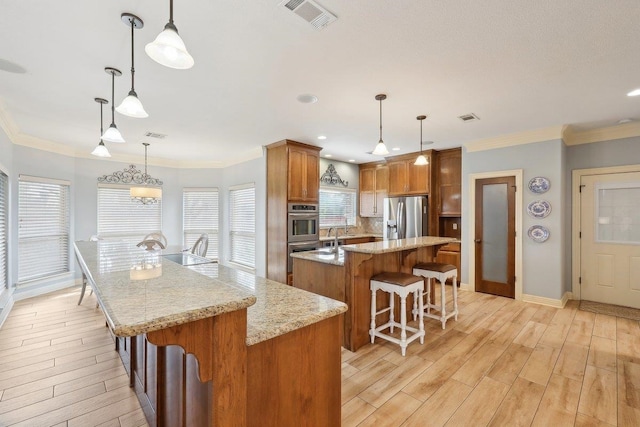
(518, 65)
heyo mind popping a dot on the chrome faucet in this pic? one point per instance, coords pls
(334, 248)
(346, 225)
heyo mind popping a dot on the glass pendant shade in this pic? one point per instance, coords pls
(421, 160)
(112, 134)
(381, 149)
(101, 151)
(169, 50)
(132, 107)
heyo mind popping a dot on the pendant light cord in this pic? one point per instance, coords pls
(171, 12)
(420, 137)
(380, 121)
(113, 108)
(132, 22)
(101, 132)
(146, 144)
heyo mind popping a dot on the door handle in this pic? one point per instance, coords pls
(478, 240)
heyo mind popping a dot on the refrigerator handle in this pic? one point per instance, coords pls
(401, 221)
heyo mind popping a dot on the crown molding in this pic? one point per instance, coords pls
(16, 137)
(514, 139)
(571, 136)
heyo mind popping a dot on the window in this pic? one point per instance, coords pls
(200, 215)
(120, 218)
(4, 216)
(335, 205)
(43, 231)
(618, 212)
(242, 225)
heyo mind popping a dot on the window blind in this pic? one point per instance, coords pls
(43, 230)
(335, 205)
(4, 223)
(200, 215)
(120, 218)
(242, 225)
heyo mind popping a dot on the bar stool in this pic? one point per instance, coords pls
(401, 284)
(440, 272)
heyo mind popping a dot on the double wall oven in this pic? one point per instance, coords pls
(303, 229)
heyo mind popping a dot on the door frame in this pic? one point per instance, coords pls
(518, 174)
(576, 177)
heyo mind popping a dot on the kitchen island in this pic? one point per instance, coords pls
(211, 345)
(345, 274)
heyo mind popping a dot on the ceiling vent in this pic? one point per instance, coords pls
(155, 135)
(468, 117)
(310, 11)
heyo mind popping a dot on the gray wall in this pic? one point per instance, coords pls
(543, 269)
(348, 172)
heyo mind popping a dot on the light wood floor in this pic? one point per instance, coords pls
(503, 363)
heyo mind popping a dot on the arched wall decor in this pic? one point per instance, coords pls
(331, 177)
(129, 175)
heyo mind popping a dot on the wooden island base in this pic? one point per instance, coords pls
(290, 380)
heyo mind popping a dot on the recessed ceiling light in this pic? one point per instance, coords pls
(307, 98)
(623, 121)
(395, 149)
(427, 142)
(634, 92)
(351, 160)
(327, 155)
(322, 137)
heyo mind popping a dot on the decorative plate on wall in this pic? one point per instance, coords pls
(539, 185)
(539, 209)
(538, 233)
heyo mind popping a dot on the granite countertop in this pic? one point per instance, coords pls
(326, 257)
(164, 293)
(140, 292)
(279, 308)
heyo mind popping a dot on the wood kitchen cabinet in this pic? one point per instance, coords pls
(293, 175)
(405, 178)
(449, 182)
(374, 187)
(303, 182)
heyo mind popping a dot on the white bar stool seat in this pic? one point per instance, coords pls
(440, 272)
(401, 284)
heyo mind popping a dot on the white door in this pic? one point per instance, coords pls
(610, 238)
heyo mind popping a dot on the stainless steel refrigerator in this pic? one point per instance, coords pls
(405, 217)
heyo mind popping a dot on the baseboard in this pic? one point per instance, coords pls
(466, 287)
(557, 303)
(25, 293)
(6, 309)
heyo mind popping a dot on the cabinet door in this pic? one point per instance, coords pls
(418, 178)
(397, 178)
(367, 179)
(367, 203)
(450, 200)
(296, 175)
(450, 184)
(312, 180)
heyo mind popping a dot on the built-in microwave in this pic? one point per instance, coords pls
(303, 223)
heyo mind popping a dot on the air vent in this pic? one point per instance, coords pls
(155, 135)
(311, 12)
(468, 117)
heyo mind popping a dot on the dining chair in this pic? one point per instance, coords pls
(157, 235)
(201, 245)
(151, 244)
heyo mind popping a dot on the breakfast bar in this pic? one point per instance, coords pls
(344, 275)
(210, 345)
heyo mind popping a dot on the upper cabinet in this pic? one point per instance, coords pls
(405, 178)
(449, 182)
(303, 174)
(374, 187)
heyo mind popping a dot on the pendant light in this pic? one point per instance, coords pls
(101, 150)
(131, 105)
(112, 134)
(381, 149)
(145, 194)
(168, 49)
(421, 160)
